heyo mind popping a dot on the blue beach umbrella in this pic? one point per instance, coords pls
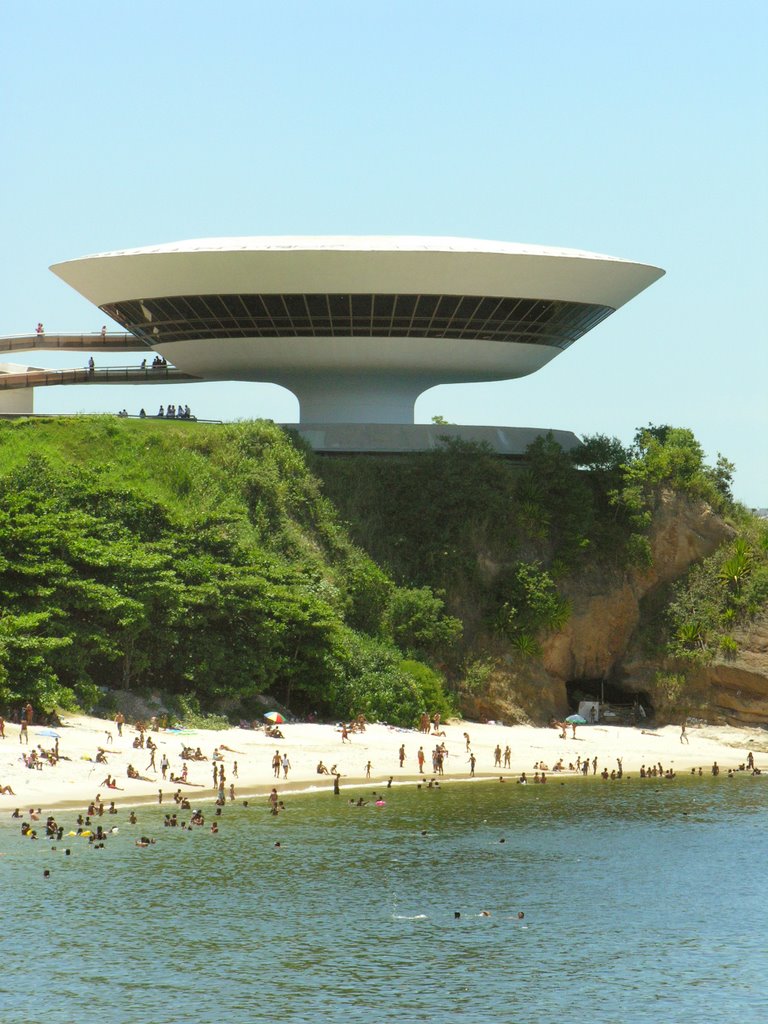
(576, 720)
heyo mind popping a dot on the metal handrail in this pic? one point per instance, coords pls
(101, 375)
(116, 340)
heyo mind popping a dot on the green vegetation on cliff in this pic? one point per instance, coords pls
(185, 558)
(719, 595)
(218, 563)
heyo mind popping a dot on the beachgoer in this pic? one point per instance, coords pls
(401, 755)
(119, 722)
(683, 737)
(420, 759)
(368, 770)
(286, 764)
(472, 763)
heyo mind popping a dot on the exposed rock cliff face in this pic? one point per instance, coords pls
(737, 687)
(605, 614)
(606, 610)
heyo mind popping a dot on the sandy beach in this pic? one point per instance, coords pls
(76, 778)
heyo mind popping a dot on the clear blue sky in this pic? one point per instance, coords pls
(637, 129)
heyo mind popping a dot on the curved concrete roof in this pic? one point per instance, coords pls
(349, 264)
(362, 372)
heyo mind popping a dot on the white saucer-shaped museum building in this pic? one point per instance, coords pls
(356, 328)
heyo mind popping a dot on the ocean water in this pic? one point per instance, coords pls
(644, 900)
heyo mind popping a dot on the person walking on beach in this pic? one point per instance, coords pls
(151, 764)
(23, 734)
(507, 757)
(472, 763)
(276, 764)
(497, 756)
(401, 755)
(420, 759)
(368, 770)
(683, 736)
(286, 765)
(594, 766)
(119, 722)
(164, 765)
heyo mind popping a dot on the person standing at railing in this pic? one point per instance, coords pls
(91, 365)
(39, 329)
(104, 332)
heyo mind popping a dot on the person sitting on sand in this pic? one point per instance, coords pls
(7, 791)
(132, 772)
(321, 769)
(101, 756)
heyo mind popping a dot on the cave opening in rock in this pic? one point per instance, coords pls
(618, 699)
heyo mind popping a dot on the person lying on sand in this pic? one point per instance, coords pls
(185, 782)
